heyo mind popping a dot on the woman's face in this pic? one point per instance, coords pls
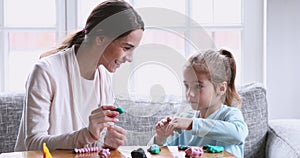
(200, 92)
(121, 50)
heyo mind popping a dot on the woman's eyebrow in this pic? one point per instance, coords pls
(199, 82)
(128, 44)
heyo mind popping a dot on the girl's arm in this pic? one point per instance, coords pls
(232, 129)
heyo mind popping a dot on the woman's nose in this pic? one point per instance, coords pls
(128, 57)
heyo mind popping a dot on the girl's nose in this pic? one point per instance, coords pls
(190, 93)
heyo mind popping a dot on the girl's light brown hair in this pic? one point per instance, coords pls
(219, 66)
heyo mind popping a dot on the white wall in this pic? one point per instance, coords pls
(283, 58)
(253, 57)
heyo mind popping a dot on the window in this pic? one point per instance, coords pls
(188, 25)
(24, 35)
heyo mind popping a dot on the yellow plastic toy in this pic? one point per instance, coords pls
(46, 152)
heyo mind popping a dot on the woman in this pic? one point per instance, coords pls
(68, 93)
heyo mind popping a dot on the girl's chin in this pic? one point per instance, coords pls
(197, 107)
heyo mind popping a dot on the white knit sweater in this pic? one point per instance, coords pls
(58, 103)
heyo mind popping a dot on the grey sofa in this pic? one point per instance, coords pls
(276, 138)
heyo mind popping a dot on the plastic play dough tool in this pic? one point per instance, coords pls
(46, 153)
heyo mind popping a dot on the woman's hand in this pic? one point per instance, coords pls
(115, 137)
(99, 119)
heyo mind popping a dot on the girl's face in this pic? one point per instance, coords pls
(200, 92)
(121, 50)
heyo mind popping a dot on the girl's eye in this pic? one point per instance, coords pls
(198, 86)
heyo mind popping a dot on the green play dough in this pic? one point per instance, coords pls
(120, 110)
(213, 149)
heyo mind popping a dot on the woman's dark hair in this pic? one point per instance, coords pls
(112, 18)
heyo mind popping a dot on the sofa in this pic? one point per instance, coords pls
(267, 138)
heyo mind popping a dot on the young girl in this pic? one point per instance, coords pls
(210, 90)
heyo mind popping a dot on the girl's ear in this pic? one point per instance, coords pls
(222, 88)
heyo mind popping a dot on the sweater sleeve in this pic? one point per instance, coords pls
(232, 129)
(39, 95)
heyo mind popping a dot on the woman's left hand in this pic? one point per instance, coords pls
(115, 137)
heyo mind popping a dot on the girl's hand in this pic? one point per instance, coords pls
(115, 137)
(180, 123)
(161, 131)
(99, 119)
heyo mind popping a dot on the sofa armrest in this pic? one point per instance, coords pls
(11, 107)
(283, 138)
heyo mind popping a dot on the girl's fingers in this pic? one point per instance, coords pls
(170, 128)
(169, 119)
(160, 124)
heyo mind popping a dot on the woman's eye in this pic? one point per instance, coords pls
(186, 86)
(126, 48)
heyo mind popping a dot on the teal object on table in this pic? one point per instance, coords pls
(213, 149)
(154, 149)
(182, 147)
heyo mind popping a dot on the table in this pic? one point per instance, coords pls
(122, 152)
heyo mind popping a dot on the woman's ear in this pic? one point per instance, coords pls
(222, 88)
(99, 40)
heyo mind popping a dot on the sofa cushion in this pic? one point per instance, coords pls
(141, 116)
(254, 109)
(11, 105)
(283, 138)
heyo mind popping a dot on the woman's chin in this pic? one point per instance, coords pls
(112, 69)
